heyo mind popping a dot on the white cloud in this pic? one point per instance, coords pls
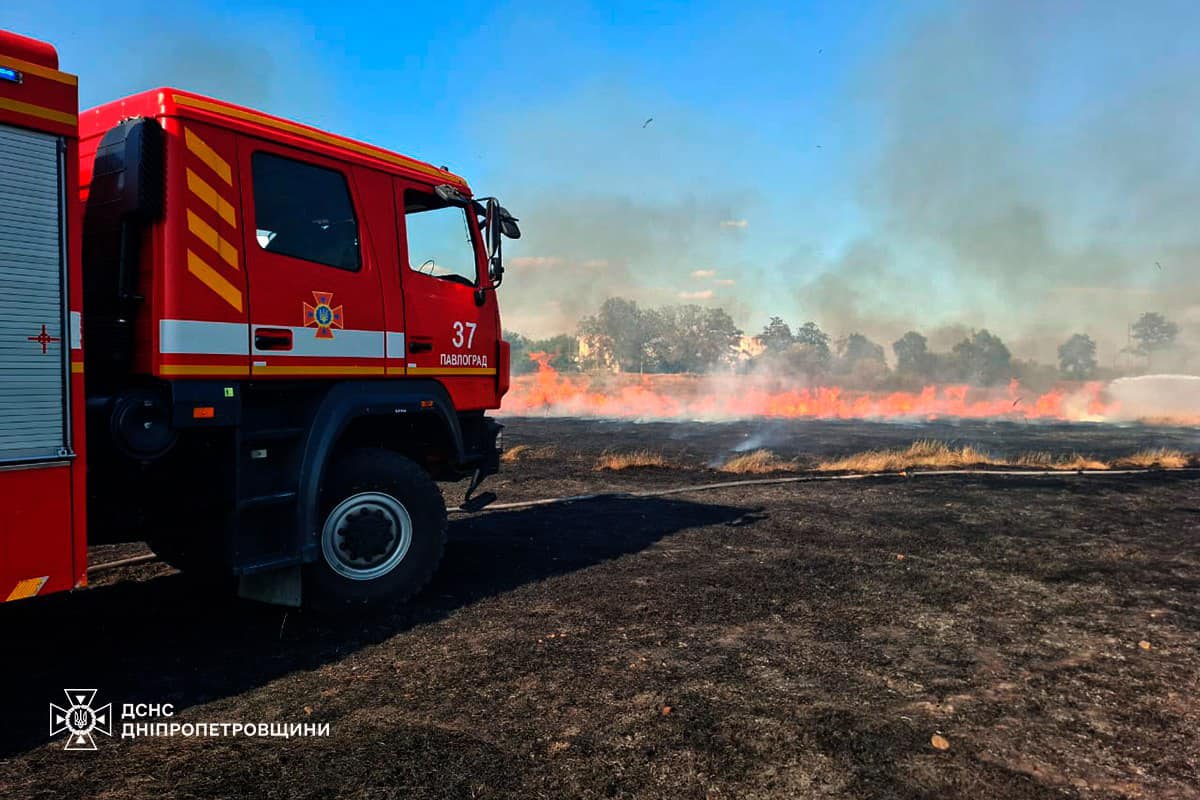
(702, 295)
(725, 282)
(734, 223)
(535, 262)
(701, 274)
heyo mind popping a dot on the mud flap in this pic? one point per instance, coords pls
(477, 503)
(279, 587)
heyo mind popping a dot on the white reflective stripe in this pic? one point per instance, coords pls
(76, 330)
(199, 337)
(343, 344)
(203, 338)
(395, 345)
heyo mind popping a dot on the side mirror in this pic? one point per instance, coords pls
(508, 224)
(494, 241)
(497, 224)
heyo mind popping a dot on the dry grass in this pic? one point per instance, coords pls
(525, 452)
(924, 453)
(631, 460)
(928, 454)
(1051, 461)
(757, 463)
(1160, 458)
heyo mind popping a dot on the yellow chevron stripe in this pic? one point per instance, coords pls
(29, 68)
(208, 234)
(202, 151)
(315, 135)
(27, 588)
(197, 186)
(41, 112)
(214, 280)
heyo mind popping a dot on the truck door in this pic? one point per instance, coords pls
(315, 301)
(449, 333)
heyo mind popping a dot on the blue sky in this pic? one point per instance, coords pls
(873, 166)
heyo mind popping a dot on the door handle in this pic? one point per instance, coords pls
(272, 339)
(419, 346)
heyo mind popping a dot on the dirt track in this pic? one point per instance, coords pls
(807, 639)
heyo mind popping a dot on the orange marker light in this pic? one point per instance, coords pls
(426, 404)
(203, 412)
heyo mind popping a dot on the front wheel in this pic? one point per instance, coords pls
(382, 535)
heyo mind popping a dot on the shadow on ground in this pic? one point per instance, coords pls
(171, 640)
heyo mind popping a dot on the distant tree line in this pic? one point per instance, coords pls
(689, 338)
(683, 338)
(563, 352)
(623, 335)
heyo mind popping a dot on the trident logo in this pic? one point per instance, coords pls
(80, 719)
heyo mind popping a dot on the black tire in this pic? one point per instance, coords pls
(379, 473)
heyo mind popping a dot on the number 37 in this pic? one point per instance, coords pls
(461, 328)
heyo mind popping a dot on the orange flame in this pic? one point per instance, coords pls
(548, 391)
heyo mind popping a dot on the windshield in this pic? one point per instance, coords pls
(439, 239)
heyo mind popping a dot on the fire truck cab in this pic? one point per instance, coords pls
(281, 339)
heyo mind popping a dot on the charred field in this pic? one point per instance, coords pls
(786, 640)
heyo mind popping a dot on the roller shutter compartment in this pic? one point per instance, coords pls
(33, 362)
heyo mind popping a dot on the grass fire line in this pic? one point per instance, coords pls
(733, 396)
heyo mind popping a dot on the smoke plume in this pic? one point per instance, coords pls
(1022, 185)
(1031, 168)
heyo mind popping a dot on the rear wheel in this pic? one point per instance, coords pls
(382, 535)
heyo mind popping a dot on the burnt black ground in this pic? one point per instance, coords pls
(811, 438)
(799, 654)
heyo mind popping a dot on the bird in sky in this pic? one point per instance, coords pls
(648, 121)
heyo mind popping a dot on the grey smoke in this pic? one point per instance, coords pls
(1031, 233)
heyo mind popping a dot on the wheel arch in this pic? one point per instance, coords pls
(371, 412)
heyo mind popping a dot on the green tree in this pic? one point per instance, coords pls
(1153, 332)
(812, 335)
(563, 350)
(520, 362)
(776, 336)
(983, 358)
(861, 360)
(622, 331)
(912, 355)
(1077, 357)
(809, 354)
(693, 338)
(807, 360)
(855, 348)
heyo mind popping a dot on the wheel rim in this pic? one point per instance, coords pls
(366, 536)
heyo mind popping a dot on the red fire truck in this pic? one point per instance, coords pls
(250, 343)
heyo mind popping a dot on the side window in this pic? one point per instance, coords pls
(304, 211)
(439, 238)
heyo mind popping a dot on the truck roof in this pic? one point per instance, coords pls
(33, 51)
(171, 102)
